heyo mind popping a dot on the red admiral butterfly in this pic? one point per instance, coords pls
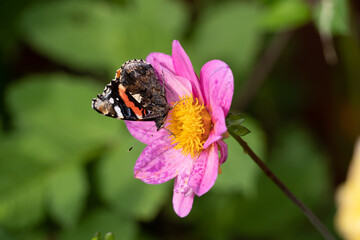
(135, 94)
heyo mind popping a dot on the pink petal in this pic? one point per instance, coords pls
(160, 61)
(218, 119)
(217, 83)
(184, 68)
(182, 203)
(183, 194)
(159, 162)
(145, 131)
(205, 171)
(181, 181)
(176, 86)
(223, 151)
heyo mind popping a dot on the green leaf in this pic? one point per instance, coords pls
(97, 236)
(119, 188)
(109, 236)
(21, 196)
(234, 119)
(56, 133)
(233, 122)
(29, 234)
(22, 206)
(239, 173)
(29, 178)
(228, 31)
(102, 220)
(67, 191)
(332, 17)
(240, 130)
(34, 175)
(101, 35)
(4, 235)
(58, 106)
(285, 15)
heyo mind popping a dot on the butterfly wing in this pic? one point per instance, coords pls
(134, 94)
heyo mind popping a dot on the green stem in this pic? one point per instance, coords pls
(308, 213)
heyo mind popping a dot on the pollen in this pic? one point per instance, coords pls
(190, 123)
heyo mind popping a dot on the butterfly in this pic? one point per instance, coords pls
(135, 94)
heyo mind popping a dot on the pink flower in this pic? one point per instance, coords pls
(197, 121)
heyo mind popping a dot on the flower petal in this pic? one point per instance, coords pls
(218, 119)
(160, 61)
(159, 162)
(176, 86)
(223, 151)
(182, 203)
(184, 68)
(183, 195)
(205, 171)
(182, 179)
(217, 83)
(145, 132)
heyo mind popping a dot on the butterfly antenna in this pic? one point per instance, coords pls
(142, 137)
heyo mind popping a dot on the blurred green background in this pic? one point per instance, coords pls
(65, 172)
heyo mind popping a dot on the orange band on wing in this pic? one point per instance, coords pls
(139, 112)
(117, 75)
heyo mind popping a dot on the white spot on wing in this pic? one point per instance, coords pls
(137, 97)
(118, 112)
(111, 100)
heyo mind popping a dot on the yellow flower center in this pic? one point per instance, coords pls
(190, 122)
